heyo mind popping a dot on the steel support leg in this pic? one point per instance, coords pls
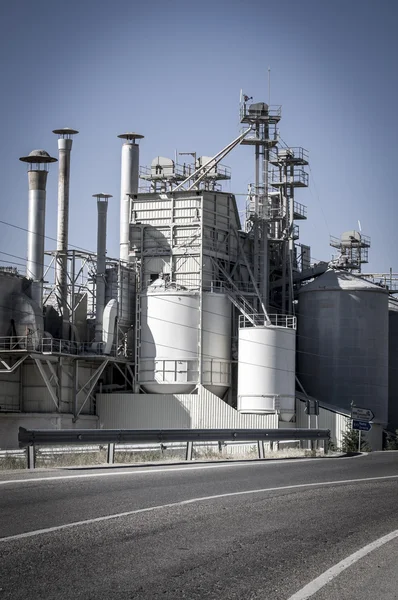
(110, 456)
(30, 456)
(189, 452)
(260, 445)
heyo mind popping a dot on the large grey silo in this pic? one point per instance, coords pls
(65, 141)
(38, 161)
(393, 364)
(128, 186)
(342, 342)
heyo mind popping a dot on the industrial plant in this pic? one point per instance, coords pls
(205, 320)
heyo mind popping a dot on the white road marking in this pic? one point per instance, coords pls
(314, 586)
(254, 463)
(28, 534)
(161, 470)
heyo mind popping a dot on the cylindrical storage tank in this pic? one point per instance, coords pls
(393, 364)
(216, 343)
(169, 342)
(342, 342)
(266, 367)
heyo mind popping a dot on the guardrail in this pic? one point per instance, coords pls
(30, 438)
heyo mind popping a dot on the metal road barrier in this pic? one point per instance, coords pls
(44, 437)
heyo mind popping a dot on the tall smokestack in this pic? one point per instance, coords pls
(38, 164)
(102, 208)
(129, 185)
(61, 270)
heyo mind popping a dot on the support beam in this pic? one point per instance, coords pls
(93, 380)
(46, 380)
(10, 368)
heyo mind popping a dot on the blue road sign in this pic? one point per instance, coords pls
(361, 425)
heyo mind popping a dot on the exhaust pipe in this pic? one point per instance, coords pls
(38, 165)
(129, 185)
(61, 270)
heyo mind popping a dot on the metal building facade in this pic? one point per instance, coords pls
(161, 411)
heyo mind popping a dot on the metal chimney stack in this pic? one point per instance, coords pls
(38, 164)
(61, 273)
(102, 207)
(129, 185)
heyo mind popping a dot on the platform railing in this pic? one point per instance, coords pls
(258, 320)
(49, 345)
(44, 437)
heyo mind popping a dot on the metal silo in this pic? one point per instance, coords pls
(185, 341)
(342, 343)
(266, 366)
(393, 364)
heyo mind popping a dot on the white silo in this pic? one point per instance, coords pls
(266, 366)
(185, 340)
(342, 354)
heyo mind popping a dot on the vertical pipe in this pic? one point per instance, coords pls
(36, 230)
(102, 208)
(61, 275)
(38, 161)
(128, 186)
(264, 232)
(291, 241)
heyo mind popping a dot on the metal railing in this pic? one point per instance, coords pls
(287, 321)
(299, 178)
(28, 343)
(295, 155)
(40, 437)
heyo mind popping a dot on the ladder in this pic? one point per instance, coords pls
(236, 296)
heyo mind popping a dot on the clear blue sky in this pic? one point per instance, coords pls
(172, 71)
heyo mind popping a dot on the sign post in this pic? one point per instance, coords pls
(361, 418)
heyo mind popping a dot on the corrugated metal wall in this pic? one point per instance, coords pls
(191, 411)
(328, 419)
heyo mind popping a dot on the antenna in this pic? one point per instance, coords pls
(359, 225)
(240, 96)
(269, 86)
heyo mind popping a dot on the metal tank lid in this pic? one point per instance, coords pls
(339, 280)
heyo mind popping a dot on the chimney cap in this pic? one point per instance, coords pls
(131, 137)
(38, 156)
(65, 131)
(102, 196)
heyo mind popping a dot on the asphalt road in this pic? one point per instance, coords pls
(262, 529)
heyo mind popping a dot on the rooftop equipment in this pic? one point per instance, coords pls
(353, 247)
